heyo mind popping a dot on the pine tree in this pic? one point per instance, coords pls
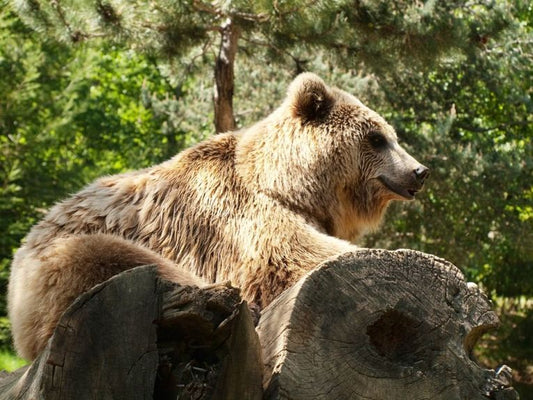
(374, 33)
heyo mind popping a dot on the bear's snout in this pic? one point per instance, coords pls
(421, 173)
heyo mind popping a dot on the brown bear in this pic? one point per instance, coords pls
(258, 207)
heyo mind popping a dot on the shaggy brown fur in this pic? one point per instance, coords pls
(259, 207)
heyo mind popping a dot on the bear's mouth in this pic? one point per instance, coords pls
(408, 193)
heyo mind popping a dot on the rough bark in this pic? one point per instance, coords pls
(379, 325)
(369, 325)
(225, 77)
(139, 337)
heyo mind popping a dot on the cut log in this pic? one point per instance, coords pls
(369, 325)
(139, 337)
(379, 325)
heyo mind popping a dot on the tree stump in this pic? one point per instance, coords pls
(136, 336)
(372, 324)
(378, 324)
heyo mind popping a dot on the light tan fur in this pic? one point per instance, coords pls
(259, 207)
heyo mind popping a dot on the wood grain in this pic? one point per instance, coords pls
(377, 325)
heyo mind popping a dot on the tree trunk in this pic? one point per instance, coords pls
(379, 325)
(139, 337)
(224, 77)
(372, 324)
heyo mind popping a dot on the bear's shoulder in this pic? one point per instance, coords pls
(219, 147)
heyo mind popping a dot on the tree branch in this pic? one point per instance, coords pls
(298, 61)
(261, 17)
(200, 6)
(233, 14)
(75, 35)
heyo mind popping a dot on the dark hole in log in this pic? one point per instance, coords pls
(394, 336)
(192, 340)
(190, 356)
(186, 371)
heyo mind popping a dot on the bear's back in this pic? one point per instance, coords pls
(141, 205)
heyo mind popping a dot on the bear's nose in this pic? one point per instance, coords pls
(421, 173)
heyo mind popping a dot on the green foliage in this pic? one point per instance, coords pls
(470, 119)
(513, 343)
(377, 33)
(10, 362)
(68, 115)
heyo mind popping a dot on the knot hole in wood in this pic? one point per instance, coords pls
(394, 336)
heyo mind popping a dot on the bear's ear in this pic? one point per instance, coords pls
(309, 97)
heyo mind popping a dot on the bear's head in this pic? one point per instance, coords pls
(329, 158)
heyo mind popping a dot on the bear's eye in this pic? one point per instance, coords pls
(377, 140)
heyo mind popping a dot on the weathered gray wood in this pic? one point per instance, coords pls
(379, 325)
(208, 345)
(240, 378)
(114, 341)
(369, 325)
(103, 347)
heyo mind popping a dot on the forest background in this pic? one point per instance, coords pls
(99, 87)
